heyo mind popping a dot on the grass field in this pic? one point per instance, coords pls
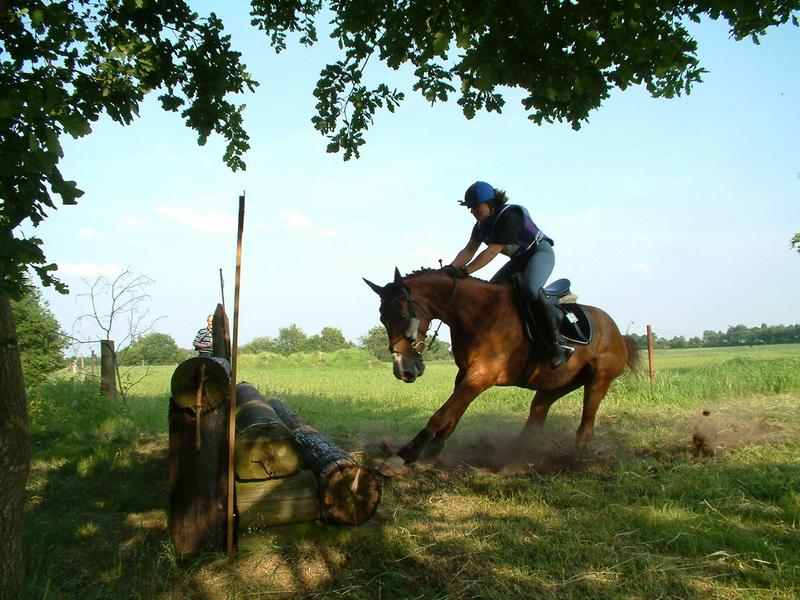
(641, 515)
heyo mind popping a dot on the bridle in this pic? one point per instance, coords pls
(411, 332)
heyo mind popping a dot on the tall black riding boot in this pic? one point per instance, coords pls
(548, 325)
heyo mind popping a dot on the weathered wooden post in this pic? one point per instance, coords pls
(108, 371)
(198, 472)
(650, 353)
(220, 334)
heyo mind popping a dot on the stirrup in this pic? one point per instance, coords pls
(563, 354)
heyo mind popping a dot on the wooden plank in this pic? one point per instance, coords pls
(293, 499)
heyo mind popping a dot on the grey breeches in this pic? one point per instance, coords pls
(537, 267)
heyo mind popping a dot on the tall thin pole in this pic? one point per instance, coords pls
(650, 353)
(234, 357)
(222, 290)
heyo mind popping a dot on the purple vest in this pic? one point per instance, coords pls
(529, 234)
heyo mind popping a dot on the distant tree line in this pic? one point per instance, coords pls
(293, 339)
(739, 335)
(161, 349)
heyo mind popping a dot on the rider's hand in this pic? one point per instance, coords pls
(456, 272)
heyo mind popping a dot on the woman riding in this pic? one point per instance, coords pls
(508, 229)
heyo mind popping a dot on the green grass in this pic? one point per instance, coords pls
(640, 516)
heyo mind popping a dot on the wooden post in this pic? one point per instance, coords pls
(220, 334)
(650, 353)
(108, 371)
(349, 493)
(197, 474)
(234, 358)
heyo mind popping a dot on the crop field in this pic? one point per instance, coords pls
(690, 489)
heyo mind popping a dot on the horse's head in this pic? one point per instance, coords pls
(405, 326)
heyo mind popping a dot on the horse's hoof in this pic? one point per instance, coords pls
(394, 466)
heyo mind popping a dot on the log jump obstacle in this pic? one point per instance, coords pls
(285, 470)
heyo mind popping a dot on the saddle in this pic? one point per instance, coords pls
(573, 322)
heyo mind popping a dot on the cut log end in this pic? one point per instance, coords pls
(349, 494)
(187, 378)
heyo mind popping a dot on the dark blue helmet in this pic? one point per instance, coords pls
(478, 193)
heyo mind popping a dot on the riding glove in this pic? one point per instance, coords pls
(456, 272)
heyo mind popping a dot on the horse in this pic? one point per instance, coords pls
(490, 348)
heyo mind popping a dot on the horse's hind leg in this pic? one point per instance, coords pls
(540, 406)
(593, 393)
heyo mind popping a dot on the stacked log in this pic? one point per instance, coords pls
(349, 493)
(289, 472)
(264, 446)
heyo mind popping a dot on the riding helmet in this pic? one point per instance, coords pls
(477, 193)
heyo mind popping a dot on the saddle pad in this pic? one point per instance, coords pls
(575, 323)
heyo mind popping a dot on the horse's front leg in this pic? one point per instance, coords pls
(439, 427)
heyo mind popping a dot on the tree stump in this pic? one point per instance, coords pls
(349, 493)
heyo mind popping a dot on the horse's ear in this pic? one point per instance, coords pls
(375, 288)
(397, 277)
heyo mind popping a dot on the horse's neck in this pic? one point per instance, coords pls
(460, 306)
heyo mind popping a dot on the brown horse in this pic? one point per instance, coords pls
(490, 348)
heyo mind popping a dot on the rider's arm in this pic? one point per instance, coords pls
(485, 257)
(466, 253)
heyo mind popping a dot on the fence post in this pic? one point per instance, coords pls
(108, 372)
(650, 353)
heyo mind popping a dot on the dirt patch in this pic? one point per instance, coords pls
(547, 452)
(732, 425)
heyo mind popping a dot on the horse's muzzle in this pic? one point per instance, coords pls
(407, 367)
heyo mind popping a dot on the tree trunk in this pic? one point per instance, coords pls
(108, 370)
(349, 493)
(14, 457)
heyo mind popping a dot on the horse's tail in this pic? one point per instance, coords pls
(633, 352)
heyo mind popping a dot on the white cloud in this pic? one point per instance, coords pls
(133, 223)
(212, 221)
(86, 269)
(90, 234)
(293, 219)
(640, 267)
(328, 232)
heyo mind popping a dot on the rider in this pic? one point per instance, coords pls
(508, 229)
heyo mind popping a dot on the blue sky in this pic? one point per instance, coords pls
(675, 213)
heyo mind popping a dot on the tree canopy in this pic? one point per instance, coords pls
(565, 56)
(39, 336)
(153, 349)
(63, 64)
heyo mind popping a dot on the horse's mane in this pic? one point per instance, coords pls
(426, 270)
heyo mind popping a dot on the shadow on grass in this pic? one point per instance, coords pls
(618, 522)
